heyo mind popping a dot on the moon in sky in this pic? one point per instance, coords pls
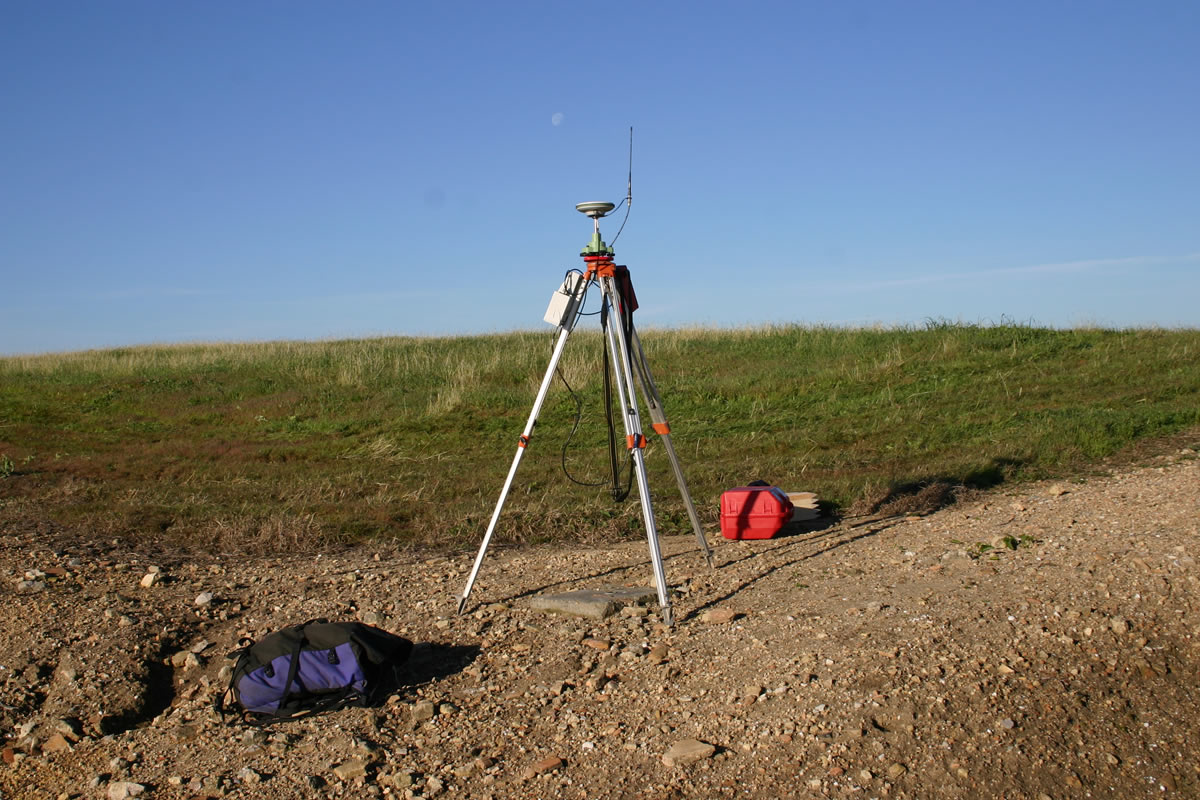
(557, 119)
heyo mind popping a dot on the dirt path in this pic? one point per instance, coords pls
(874, 658)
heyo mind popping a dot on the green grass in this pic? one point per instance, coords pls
(290, 445)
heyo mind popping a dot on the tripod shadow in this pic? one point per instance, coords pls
(831, 543)
(593, 576)
(792, 535)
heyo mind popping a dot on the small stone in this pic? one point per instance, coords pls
(180, 658)
(548, 764)
(687, 751)
(1007, 724)
(120, 790)
(372, 618)
(1073, 781)
(56, 744)
(896, 770)
(1111, 759)
(69, 728)
(1119, 625)
(658, 653)
(1144, 669)
(204, 599)
(422, 710)
(717, 616)
(349, 770)
(1057, 490)
(401, 780)
(248, 775)
(597, 644)
(150, 579)
(433, 787)
(866, 776)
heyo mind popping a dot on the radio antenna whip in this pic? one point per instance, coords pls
(629, 189)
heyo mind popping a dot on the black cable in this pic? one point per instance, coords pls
(583, 313)
(618, 494)
(618, 236)
(571, 435)
(608, 415)
(575, 397)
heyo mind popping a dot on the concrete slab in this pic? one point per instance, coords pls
(594, 603)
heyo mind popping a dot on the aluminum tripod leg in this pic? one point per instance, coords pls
(659, 418)
(622, 357)
(512, 471)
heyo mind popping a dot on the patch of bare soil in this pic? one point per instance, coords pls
(1037, 642)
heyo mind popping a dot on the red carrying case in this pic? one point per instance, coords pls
(754, 512)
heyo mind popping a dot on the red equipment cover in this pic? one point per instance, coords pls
(754, 512)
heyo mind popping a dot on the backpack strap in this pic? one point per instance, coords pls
(242, 653)
(293, 670)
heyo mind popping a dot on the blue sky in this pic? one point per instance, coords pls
(246, 171)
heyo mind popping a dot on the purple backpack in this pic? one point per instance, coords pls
(315, 667)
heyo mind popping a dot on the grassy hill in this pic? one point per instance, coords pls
(286, 445)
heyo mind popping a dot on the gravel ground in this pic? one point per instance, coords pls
(1036, 642)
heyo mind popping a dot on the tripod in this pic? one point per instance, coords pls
(629, 359)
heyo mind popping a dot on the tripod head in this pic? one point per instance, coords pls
(595, 209)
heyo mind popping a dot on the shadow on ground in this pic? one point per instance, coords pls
(431, 661)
